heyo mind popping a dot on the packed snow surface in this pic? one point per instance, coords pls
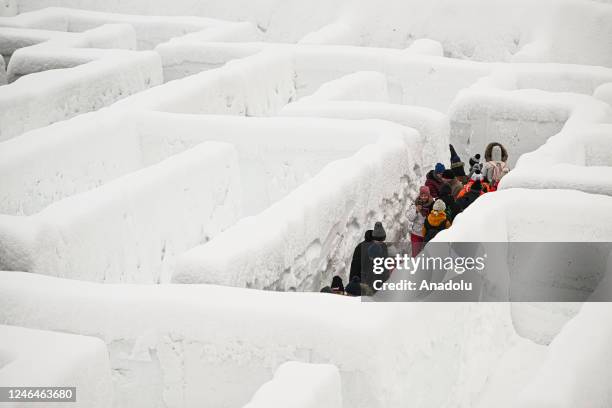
(37, 358)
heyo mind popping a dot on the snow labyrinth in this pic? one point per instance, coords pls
(168, 182)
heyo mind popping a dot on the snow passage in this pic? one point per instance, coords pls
(244, 150)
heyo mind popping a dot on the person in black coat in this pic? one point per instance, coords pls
(362, 264)
(452, 208)
(356, 262)
(471, 196)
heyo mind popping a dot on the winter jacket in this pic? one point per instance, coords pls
(452, 209)
(433, 183)
(468, 187)
(415, 218)
(356, 261)
(434, 223)
(455, 186)
(362, 264)
(496, 167)
(467, 199)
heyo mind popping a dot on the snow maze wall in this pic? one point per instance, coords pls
(161, 178)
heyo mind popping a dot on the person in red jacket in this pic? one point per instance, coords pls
(434, 180)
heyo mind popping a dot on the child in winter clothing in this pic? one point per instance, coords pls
(436, 221)
(496, 166)
(417, 212)
(434, 180)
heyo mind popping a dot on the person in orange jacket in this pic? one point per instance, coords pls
(477, 176)
(436, 221)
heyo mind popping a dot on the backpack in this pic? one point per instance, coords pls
(500, 169)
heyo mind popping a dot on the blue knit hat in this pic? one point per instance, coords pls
(440, 168)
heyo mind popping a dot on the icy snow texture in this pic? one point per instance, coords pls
(49, 359)
(131, 229)
(48, 164)
(360, 86)
(258, 85)
(432, 125)
(299, 237)
(3, 78)
(92, 78)
(301, 386)
(575, 159)
(43, 98)
(604, 93)
(521, 120)
(563, 30)
(433, 354)
(150, 30)
(275, 156)
(426, 46)
(59, 51)
(522, 215)
(336, 33)
(569, 378)
(411, 79)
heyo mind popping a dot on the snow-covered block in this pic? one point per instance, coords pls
(426, 46)
(294, 242)
(242, 32)
(150, 30)
(541, 217)
(3, 78)
(36, 358)
(108, 36)
(521, 120)
(300, 385)
(604, 93)
(12, 39)
(360, 86)
(440, 352)
(48, 164)
(547, 77)
(337, 33)
(258, 85)
(66, 51)
(432, 125)
(523, 215)
(43, 98)
(577, 159)
(578, 365)
(180, 60)
(276, 155)
(132, 228)
(411, 79)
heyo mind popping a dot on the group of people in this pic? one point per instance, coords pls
(445, 194)
(448, 192)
